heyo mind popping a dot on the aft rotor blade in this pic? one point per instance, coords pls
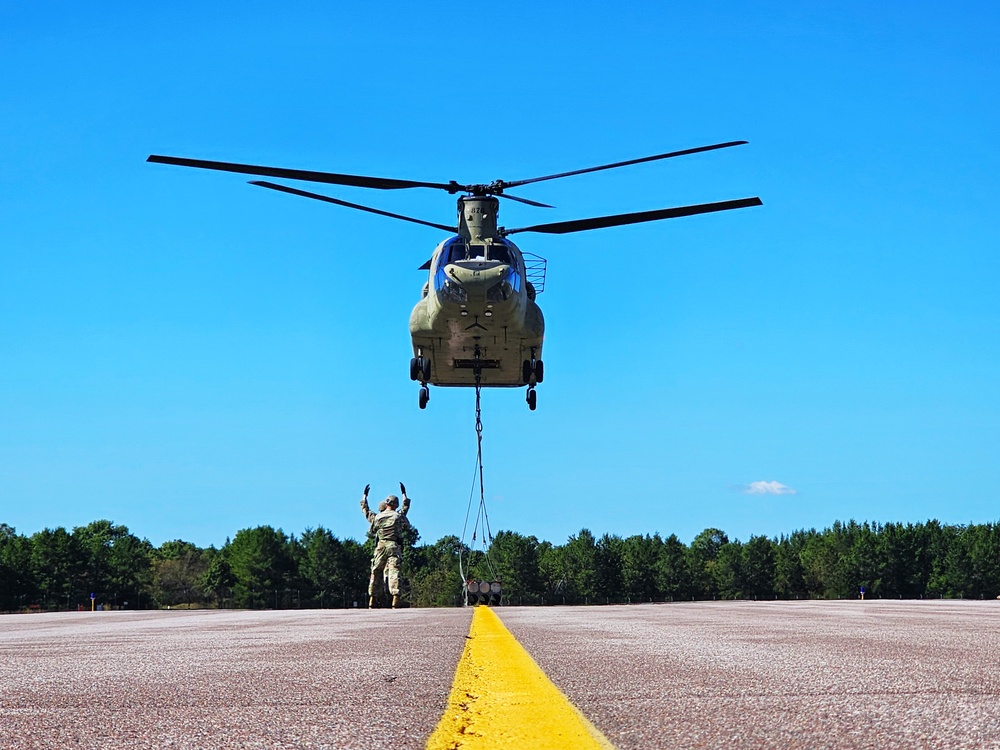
(667, 155)
(330, 178)
(328, 199)
(600, 222)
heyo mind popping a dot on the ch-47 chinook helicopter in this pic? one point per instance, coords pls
(478, 323)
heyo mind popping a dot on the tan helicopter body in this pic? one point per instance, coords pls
(477, 323)
(478, 320)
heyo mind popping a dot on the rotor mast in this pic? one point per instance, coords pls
(477, 218)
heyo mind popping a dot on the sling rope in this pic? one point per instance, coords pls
(482, 521)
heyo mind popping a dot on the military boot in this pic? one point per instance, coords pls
(395, 601)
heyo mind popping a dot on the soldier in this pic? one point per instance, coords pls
(387, 526)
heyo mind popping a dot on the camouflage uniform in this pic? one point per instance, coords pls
(387, 527)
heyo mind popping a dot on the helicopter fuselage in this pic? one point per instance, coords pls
(478, 316)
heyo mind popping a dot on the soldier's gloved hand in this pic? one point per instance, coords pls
(367, 487)
(402, 489)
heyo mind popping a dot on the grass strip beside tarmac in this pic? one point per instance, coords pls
(502, 699)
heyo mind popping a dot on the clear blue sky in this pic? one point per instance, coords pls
(188, 355)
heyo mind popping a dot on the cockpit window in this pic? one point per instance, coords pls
(456, 250)
(453, 252)
(500, 253)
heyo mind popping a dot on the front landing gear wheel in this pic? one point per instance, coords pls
(532, 371)
(425, 396)
(532, 398)
(420, 369)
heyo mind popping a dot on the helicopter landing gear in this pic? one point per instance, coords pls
(420, 369)
(532, 370)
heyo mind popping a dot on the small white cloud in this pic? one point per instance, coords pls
(768, 488)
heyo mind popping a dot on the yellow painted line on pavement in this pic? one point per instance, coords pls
(502, 699)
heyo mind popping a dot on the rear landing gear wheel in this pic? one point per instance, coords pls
(414, 368)
(526, 372)
(425, 396)
(539, 371)
(532, 398)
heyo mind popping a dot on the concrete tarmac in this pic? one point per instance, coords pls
(227, 679)
(830, 674)
(706, 675)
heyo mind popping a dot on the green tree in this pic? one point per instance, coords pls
(862, 562)
(17, 585)
(727, 571)
(789, 573)
(825, 559)
(639, 558)
(131, 575)
(671, 569)
(702, 556)
(324, 567)
(551, 573)
(178, 571)
(435, 580)
(759, 568)
(579, 566)
(942, 539)
(982, 543)
(217, 580)
(608, 579)
(358, 562)
(57, 566)
(116, 563)
(514, 557)
(261, 563)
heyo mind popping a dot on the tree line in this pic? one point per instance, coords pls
(105, 564)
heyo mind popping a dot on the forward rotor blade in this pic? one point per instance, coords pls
(600, 222)
(524, 200)
(667, 155)
(328, 199)
(330, 178)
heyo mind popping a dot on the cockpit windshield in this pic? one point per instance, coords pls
(501, 253)
(456, 251)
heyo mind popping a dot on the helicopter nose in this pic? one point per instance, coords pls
(479, 276)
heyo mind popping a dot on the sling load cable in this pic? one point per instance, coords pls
(482, 516)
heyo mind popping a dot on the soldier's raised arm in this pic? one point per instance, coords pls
(406, 501)
(364, 505)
